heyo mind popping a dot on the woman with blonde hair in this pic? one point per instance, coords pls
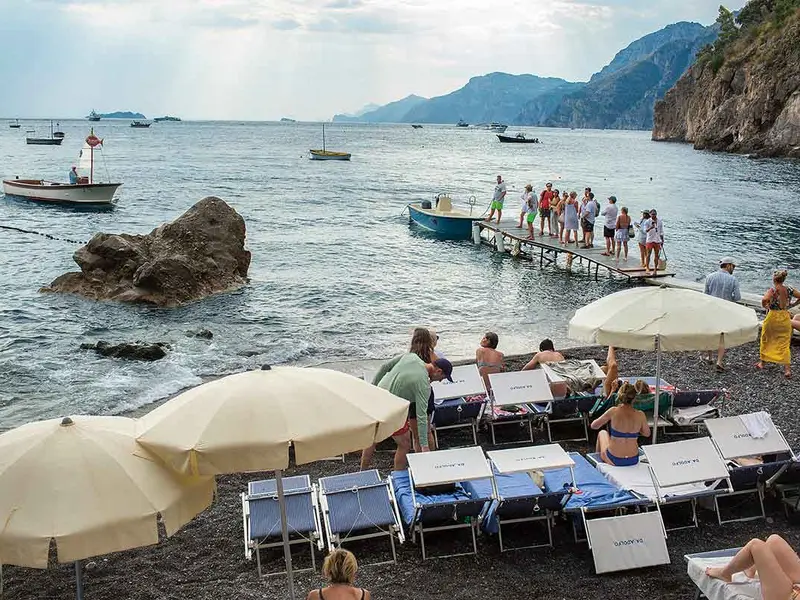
(776, 330)
(340, 568)
(619, 445)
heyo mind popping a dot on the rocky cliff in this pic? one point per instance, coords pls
(745, 98)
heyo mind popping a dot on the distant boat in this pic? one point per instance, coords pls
(493, 126)
(326, 154)
(58, 133)
(442, 219)
(287, 120)
(166, 118)
(14, 125)
(462, 123)
(417, 126)
(517, 139)
(85, 191)
(93, 116)
(140, 125)
(51, 141)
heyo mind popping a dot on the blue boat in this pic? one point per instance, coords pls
(442, 219)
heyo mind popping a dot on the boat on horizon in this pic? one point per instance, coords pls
(51, 141)
(58, 133)
(140, 124)
(493, 126)
(326, 154)
(417, 126)
(15, 124)
(287, 120)
(84, 192)
(442, 219)
(520, 138)
(166, 118)
(462, 123)
(93, 116)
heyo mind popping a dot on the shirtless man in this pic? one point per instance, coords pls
(547, 353)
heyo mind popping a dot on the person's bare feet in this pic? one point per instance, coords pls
(718, 573)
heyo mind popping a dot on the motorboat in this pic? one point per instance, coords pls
(326, 154)
(93, 116)
(417, 126)
(53, 140)
(58, 133)
(520, 138)
(442, 219)
(14, 124)
(140, 124)
(86, 191)
(462, 123)
(166, 118)
(493, 126)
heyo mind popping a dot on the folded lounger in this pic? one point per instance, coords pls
(460, 403)
(358, 506)
(516, 496)
(432, 496)
(691, 407)
(673, 473)
(512, 395)
(735, 441)
(261, 517)
(620, 542)
(741, 588)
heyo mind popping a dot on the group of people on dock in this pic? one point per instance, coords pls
(564, 216)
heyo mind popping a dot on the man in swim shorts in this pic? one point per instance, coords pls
(498, 198)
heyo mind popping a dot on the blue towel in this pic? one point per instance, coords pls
(405, 500)
(509, 486)
(595, 491)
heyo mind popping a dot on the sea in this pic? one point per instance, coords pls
(338, 275)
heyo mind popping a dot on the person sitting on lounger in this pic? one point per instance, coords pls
(619, 445)
(546, 354)
(488, 358)
(773, 562)
(339, 569)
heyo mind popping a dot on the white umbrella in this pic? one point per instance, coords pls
(662, 318)
(248, 421)
(78, 481)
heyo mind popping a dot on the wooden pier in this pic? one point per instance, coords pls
(547, 250)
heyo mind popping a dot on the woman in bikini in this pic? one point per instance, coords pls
(488, 359)
(619, 445)
(776, 331)
(339, 569)
(773, 562)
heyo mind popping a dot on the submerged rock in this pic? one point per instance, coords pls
(129, 350)
(198, 254)
(203, 333)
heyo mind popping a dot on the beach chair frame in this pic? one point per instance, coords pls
(570, 409)
(335, 540)
(457, 414)
(252, 546)
(688, 398)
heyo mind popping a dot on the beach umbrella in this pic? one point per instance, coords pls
(664, 319)
(249, 421)
(84, 483)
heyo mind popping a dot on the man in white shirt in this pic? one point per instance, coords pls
(654, 229)
(610, 213)
(497, 199)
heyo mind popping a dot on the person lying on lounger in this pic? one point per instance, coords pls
(339, 569)
(773, 562)
(619, 445)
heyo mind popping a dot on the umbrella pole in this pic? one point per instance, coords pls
(78, 580)
(658, 389)
(287, 554)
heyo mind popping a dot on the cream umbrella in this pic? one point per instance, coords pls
(249, 421)
(83, 482)
(664, 319)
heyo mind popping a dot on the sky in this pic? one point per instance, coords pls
(305, 59)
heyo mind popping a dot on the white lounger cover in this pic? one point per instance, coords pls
(687, 461)
(520, 387)
(637, 479)
(627, 542)
(742, 588)
(530, 458)
(554, 377)
(467, 381)
(731, 437)
(448, 466)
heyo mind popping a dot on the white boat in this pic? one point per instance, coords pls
(85, 191)
(325, 154)
(493, 126)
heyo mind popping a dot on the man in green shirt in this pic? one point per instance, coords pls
(410, 378)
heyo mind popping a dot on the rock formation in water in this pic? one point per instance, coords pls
(129, 350)
(745, 96)
(200, 253)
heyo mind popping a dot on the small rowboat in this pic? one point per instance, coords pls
(328, 155)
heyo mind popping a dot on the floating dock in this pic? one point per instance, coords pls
(507, 237)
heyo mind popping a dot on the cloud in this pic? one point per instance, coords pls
(368, 23)
(336, 4)
(286, 24)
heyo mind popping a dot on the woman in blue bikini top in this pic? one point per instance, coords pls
(619, 445)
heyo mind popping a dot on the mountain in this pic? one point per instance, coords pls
(492, 97)
(390, 113)
(122, 115)
(623, 93)
(355, 117)
(743, 92)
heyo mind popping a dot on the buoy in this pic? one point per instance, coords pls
(476, 233)
(498, 240)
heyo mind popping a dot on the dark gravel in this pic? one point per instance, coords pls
(205, 560)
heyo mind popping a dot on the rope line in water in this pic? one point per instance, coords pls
(46, 235)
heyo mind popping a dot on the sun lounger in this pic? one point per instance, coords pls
(673, 473)
(512, 394)
(261, 517)
(432, 497)
(571, 409)
(741, 588)
(734, 442)
(517, 497)
(690, 408)
(358, 506)
(459, 404)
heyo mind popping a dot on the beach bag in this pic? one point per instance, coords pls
(631, 231)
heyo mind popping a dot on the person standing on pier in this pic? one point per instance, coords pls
(571, 218)
(588, 215)
(654, 228)
(622, 231)
(610, 213)
(527, 194)
(722, 284)
(497, 199)
(544, 208)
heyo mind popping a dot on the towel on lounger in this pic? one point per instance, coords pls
(579, 375)
(757, 424)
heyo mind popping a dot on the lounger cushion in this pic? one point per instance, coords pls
(405, 497)
(595, 491)
(509, 486)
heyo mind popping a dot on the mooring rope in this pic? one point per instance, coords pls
(46, 235)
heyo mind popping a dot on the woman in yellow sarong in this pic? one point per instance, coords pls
(776, 330)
